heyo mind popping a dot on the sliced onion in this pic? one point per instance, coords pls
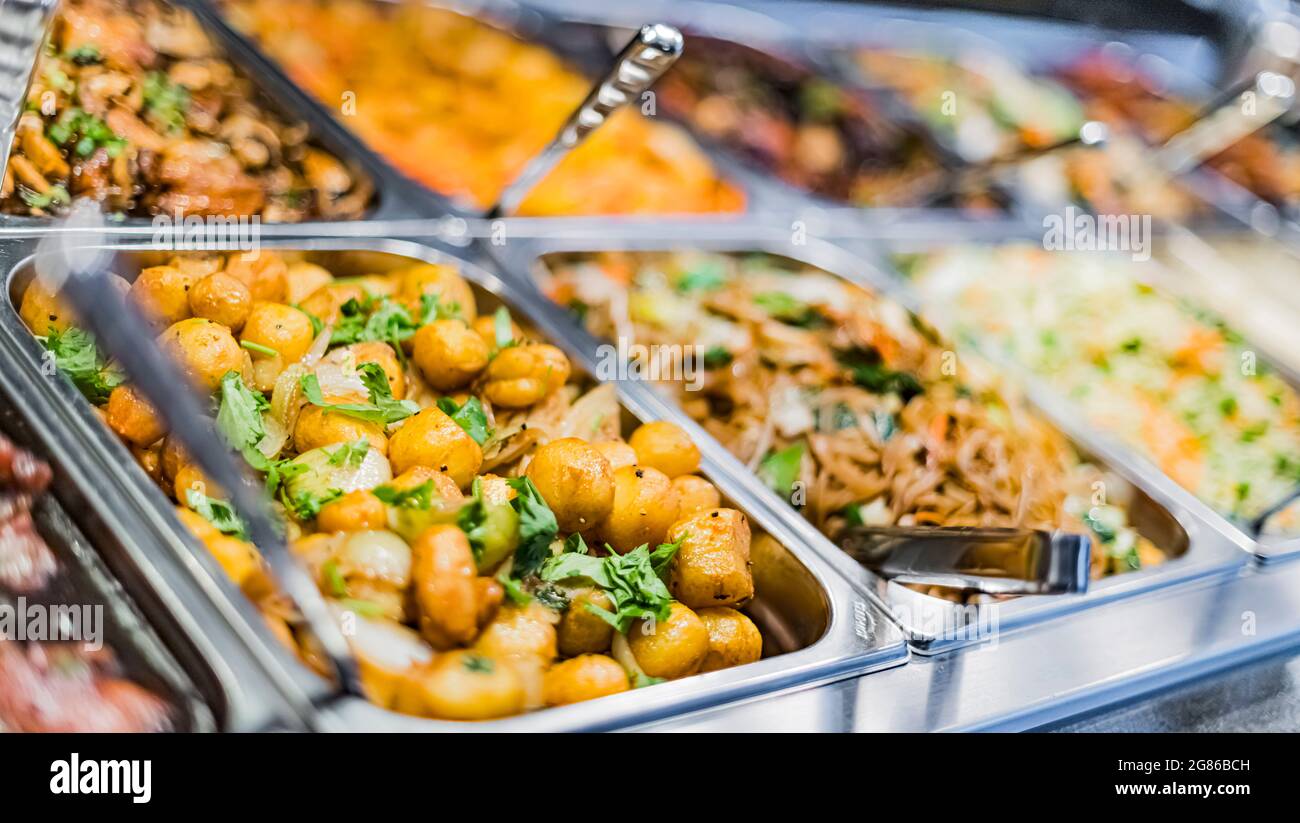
(378, 555)
(383, 642)
(286, 398)
(339, 379)
(318, 347)
(596, 412)
(622, 652)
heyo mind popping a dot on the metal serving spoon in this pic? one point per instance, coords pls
(74, 263)
(988, 560)
(636, 68)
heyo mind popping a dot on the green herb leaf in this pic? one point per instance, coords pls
(780, 469)
(258, 348)
(165, 102)
(471, 417)
(537, 528)
(382, 408)
(57, 195)
(503, 329)
(77, 357)
(416, 497)
(351, 454)
(870, 373)
(217, 512)
(707, 275)
(782, 306)
(306, 505)
(239, 414)
(632, 581)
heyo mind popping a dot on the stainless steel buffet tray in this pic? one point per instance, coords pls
(395, 196)
(824, 627)
(1160, 277)
(161, 620)
(1204, 544)
(577, 45)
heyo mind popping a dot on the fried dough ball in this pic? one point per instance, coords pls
(585, 677)
(712, 566)
(664, 446)
(433, 439)
(204, 350)
(465, 685)
(671, 648)
(645, 507)
(576, 482)
(356, 511)
(163, 294)
(450, 354)
(264, 273)
(733, 639)
(223, 299)
(580, 631)
(446, 595)
(318, 426)
(520, 376)
(453, 293)
(695, 494)
(131, 417)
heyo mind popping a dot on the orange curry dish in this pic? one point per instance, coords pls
(462, 106)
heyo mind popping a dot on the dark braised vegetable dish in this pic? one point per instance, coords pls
(133, 106)
(806, 130)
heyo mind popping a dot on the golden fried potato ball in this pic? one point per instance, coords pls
(326, 303)
(356, 511)
(520, 633)
(163, 294)
(382, 355)
(575, 481)
(580, 631)
(664, 446)
(733, 639)
(223, 299)
(486, 327)
(44, 312)
(302, 279)
(433, 439)
(446, 595)
(695, 494)
(443, 486)
(204, 350)
(191, 478)
(318, 426)
(449, 354)
(521, 376)
(585, 677)
(284, 330)
(465, 685)
(645, 507)
(712, 566)
(453, 293)
(264, 272)
(671, 648)
(618, 453)
(131, 417)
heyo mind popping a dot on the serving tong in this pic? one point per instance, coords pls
(642, 61)
(75, 263)
(997, 561)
